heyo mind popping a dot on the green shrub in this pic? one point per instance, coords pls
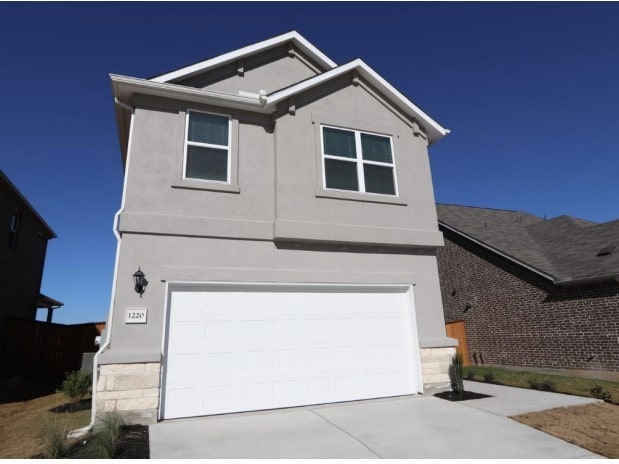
(601, 393)
(534, 385)
(489, 377)
(53, 435)
(76, 386)
(455, 375)
(470, 375)
(108, 429)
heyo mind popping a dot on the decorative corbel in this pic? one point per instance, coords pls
(418, 131)
(240, 67)
(291, 52)
(292, 109)
(355, 78)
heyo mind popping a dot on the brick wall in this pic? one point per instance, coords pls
(521, 319)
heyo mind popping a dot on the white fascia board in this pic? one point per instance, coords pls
(229, 57)
(125, 86)
(434, 129)
(498, 252)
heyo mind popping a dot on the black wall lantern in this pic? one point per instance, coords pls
(139, 279)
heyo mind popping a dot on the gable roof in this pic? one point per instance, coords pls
(124, 87)
(293, 36)
(564, 249)
(434, 129)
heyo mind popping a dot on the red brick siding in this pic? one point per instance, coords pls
(521, 319)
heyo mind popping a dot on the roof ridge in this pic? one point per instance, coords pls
(485, 207)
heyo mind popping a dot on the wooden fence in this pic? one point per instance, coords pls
(41, 350)
(457, 330)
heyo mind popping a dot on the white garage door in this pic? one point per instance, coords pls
(238, 350)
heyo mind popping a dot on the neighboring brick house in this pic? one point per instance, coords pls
(532, 292)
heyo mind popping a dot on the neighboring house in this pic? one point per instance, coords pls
(281, 209)
(23, 244)
(532, 292)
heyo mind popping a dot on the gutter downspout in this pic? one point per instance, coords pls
(108, 327)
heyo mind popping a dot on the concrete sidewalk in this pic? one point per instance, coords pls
(404, 427)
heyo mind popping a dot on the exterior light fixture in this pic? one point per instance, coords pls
(139, 279)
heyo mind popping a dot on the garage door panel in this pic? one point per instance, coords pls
(237, 351)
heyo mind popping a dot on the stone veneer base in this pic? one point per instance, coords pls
(435, 366)
(132, 390)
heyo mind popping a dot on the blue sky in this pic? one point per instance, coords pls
(529, 91)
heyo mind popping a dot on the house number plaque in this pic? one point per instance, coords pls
(135, 316)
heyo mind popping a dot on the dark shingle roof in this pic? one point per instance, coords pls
(564, 248)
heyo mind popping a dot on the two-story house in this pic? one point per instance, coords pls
(23, 245)
(281, 209)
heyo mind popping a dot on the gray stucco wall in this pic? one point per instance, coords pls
(271, 70)
(275, 223)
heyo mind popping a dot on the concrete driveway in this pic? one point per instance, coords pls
(403, 427)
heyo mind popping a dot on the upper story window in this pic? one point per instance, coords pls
(13, 228)
(358, 161)
(207, 147)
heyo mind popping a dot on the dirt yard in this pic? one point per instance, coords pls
(594, 427)
(21, 421)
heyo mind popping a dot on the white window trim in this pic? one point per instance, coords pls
(358, 160)
(187, 142)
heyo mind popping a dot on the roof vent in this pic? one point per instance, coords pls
(606, 250)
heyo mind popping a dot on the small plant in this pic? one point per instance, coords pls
(489, 377)
(455, 376)
(76, 386)
(601, 393)
(107, 430)
(535, 385)
(548, 385)
(53, 435)
(470, 375)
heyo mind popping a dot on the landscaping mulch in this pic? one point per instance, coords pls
(467, 395)
(134, 444)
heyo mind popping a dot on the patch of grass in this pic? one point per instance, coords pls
(592, 426)
(548, 382)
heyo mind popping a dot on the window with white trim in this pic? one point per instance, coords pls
(207, 147)
(358, 161)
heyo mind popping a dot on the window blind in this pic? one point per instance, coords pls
(339, 142)
(208, 128)
(207, 163)
(341, 175)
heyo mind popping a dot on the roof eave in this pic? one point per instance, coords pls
(549, 277)
(50, 233)
(588, 280)
(206, 65)
(434, 130)
(125, 87)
